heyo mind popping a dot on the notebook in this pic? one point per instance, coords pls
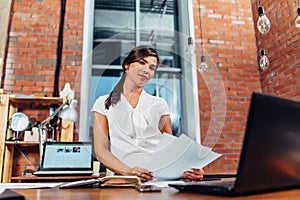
(269, 159)
(66, 158)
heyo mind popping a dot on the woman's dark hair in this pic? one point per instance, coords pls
(134, 55)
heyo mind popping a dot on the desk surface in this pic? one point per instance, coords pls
(33, 178)
(131, 193)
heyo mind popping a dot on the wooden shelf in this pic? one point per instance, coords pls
(9, 105)
(36, 100)
(21, 143)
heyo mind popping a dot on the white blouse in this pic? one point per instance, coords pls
(134, 132)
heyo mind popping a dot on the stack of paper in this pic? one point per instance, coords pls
(175, 155)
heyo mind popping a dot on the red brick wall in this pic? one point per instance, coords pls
(25, 158)
(31, 57)
(282, 44)
(230, 49)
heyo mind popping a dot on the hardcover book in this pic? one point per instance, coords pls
(106, 181)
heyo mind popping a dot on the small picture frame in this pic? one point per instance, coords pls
(31, 136)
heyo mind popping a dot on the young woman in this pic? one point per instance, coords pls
(128, 122)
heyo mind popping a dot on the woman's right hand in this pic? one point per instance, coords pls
(143, 174)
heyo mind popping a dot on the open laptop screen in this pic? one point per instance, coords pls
(64, 155)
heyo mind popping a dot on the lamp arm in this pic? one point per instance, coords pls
(53, 114)
(40, 127)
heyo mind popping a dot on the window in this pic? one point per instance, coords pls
(114, 28)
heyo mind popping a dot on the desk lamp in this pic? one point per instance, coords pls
(66, 111)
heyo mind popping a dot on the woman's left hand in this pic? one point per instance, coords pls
(194, 174)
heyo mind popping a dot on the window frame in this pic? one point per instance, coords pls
(190, 106)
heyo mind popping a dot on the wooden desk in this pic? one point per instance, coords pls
(131, 193)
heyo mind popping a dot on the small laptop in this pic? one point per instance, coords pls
(66, 158)
(269, 159)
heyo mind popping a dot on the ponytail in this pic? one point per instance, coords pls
(115, 95)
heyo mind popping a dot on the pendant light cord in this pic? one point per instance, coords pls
(200, 22)
(260, 34)
(59, 49)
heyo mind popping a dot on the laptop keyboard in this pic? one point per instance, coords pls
(223, 183)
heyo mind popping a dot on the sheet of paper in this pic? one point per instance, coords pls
(27, 185)
(175, 155)
(162, 183)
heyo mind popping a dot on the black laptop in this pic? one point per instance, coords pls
(66, 158)
(270, 157)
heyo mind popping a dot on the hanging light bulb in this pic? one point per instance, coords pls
(297, 22)
(263, 23)
(190, 47)
(264, 62)
(203, 65)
